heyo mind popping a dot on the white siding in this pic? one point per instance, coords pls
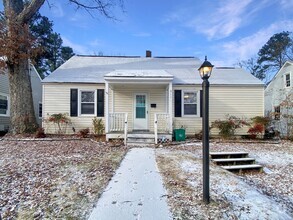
(36, 92)
(4, 89)
(275, 93)
(57, 100)
(239, 101)
(124, 101)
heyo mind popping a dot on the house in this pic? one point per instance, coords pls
(146, 94)
(5, 100)
(278, 91)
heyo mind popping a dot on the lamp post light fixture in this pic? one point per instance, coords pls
(205, 71)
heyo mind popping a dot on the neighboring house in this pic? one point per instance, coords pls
(146, 94)
(5, 98)
(278, 91)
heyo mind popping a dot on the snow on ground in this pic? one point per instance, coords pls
(54, 179)
(267, 195)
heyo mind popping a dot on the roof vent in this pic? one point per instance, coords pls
(148, 53)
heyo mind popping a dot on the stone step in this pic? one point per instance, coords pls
(234, 161)
(142, 144)
(141, 135)
(140, 140)
(218, 155)
(241, 168)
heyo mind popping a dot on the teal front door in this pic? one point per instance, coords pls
(140, 121)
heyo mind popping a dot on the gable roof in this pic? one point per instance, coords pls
(286, 64)
(183, 70)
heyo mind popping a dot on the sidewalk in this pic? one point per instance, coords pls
(135, 192)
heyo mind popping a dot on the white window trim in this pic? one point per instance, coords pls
(79, 102)
(39, 110)
(290, 78)
(8, 105)
(197, 104)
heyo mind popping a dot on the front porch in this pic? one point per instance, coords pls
(139, 108)
(118, 129)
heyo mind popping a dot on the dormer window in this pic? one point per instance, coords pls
(287, 80)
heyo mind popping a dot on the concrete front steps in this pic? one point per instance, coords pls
(235, 161)
(145, 138)
(140, 139)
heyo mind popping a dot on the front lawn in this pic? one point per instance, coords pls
(54, 179)
(267, 195)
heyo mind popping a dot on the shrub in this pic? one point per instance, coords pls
(61, 120)
(260, 123)
(264, 121)
(40, 133)
(98, 126)
(228, 126)
(83, 133)
(257, 129)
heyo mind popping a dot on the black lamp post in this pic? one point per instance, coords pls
(205, 71)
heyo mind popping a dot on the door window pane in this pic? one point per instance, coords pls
(140, 106)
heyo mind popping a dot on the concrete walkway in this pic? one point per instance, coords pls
(135, 192)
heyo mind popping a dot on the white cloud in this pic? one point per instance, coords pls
(77, 48)
(223, 21)
(286, 4)
(247, 47)
(217, 20)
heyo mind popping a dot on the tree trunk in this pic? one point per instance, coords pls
(22, 113)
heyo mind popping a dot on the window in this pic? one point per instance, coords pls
(287, 80)
(87, 102)
(4, 105)
(40, 109)
(277, 112)
(190, 103)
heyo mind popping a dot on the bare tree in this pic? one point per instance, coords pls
(17, 47)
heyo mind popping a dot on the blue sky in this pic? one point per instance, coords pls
(225, 30)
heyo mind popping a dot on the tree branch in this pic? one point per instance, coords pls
(98, 5)
(29, 11)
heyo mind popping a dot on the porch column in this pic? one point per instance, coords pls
(170, 108)
(106, 107)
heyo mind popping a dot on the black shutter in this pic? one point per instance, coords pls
(200, 103)
(100, 102)
(73, 102)
(178, 101)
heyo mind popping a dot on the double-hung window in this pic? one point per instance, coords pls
(287, 80)
(190, 103)
(87, 102)
(4, 105)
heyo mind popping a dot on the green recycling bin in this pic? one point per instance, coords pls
(179, 134)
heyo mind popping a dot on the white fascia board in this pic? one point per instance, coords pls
(130, 80)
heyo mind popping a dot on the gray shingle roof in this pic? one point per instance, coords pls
(92, 69)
